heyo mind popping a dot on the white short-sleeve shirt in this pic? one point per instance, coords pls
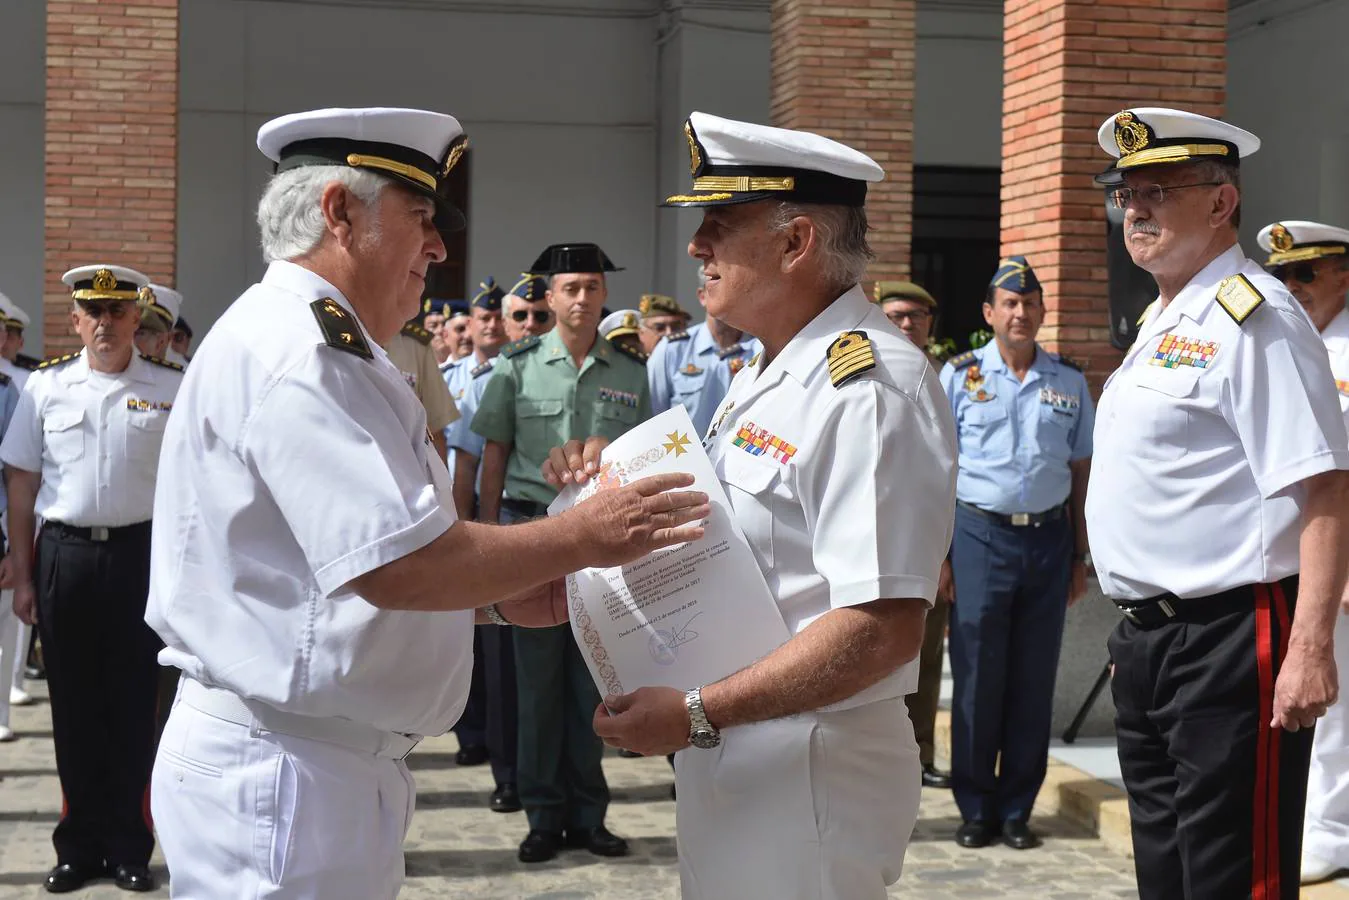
(291, 467)
(1203, 436)
(846, 494)
(1336, 339)
(94, 438)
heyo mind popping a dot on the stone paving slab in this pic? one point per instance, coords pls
(457, 848)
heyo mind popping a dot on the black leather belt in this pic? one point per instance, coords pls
(1018, 520)
(1165, 608)
(524, 509)
(97, 533)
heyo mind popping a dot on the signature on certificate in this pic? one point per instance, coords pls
(665, 642)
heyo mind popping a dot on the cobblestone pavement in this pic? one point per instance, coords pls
(458, 849)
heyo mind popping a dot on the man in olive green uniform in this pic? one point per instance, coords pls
(546, 390)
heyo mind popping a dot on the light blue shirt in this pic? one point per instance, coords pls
(695, 373)
(1016, 438)
(467, 380)
(9, 400)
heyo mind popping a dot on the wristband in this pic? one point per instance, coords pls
(494, 615)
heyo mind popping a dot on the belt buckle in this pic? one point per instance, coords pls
(98, 533)
(1020, 519)
(1130, 614)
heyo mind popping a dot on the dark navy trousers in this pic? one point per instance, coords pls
(1011, 585)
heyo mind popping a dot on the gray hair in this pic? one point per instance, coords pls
(1220, 173)
(842, 230)
(290, 220)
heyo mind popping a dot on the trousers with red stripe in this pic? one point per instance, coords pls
(1216, 796)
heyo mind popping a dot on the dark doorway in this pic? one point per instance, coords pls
(955, 243)
(448, 280)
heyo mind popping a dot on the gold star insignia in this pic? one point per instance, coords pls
(678, 444)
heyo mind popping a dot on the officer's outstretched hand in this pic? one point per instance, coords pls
(538, 607)
(574, 461)
(621, 524)
(1307, 686)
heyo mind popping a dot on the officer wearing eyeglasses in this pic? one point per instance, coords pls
(1024, 422)
(1312, 261)
(82, 454)
(661, 316)
(526, 311)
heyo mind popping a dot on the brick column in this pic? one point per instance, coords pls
(1067, 65)
(111, 145)
(846, 72)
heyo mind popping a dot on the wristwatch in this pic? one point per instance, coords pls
(702, 734)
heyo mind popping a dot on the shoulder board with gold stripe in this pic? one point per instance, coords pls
(518, 347)
(58, 361)
(4, 379)
(1239, 298)
(166, 363)
(677, 336)
(850, 355)
(481, 370)
(23, 361)
(963, 361)
(1066, 361)
(339, 327)
(634, 353)
(417, 333)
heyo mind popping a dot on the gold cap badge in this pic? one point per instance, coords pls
(1131, 135)
(1280, 239)
(104, 280)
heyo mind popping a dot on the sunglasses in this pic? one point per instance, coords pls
(540, 316)
(1304, 272)
(113, 309)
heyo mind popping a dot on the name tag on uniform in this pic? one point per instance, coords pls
(1059, 401)
(760, 442)
(609, 395)
(1175, 351)
(138, 405)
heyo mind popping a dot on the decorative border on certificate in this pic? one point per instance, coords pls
(591, 637)
(617, 474)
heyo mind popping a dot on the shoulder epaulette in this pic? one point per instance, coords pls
(849, 355)
(1239, 298)
(1070, 363)
(339, 328)
(417, 333)
(58, 361)
(24, 361)
(166, 363)
(634, 353)
(4, 379)
(677, 336)
(963, 361)
(481, 370)
(516, 348)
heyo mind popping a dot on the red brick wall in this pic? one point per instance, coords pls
(111, 145)
(1068, 64)
(846, 71)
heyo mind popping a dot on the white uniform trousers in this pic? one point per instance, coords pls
(812, 807)
(11, 658)
(243, 815)
(1326, 834)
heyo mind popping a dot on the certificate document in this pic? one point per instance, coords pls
(685, 615)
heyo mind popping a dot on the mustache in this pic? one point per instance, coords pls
(1142, 226)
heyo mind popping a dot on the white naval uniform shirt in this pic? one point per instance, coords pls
(291, 467)
(94, 437)
(18, 374)
(856, 498)
(1336, 339)
(1202, 437)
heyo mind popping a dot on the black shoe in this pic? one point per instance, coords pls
(935, 779)
(471, 756)
(599, 841)
(134, 878)
(975, 834)
(68, 877)
(1017, 835)
(505, 799)
(629, 754)
(539, 846)
(34, 673)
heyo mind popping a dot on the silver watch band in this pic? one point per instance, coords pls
(494, 615)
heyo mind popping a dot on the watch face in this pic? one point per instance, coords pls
(704, 740)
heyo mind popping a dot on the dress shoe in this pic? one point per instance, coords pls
(975, 833)
(133, 878)
(36, 673)
(1315, 868)
(68, 877)
(539, 846)
(471, 756)
(20, 697)
(629, 754)
(6, 734)
(505, 799)
(599, 841)
(933, 778)
(1017, 835)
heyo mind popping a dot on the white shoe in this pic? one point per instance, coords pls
(6, 734)
(20, 697)
(1315, 869)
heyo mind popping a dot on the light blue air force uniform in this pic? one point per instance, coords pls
(458, 434)
(693, 371)
(458, 376)
(1017, 437)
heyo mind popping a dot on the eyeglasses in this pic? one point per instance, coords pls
(1304, 272)
(540, 316)
(918, 315)
(661, 327)
(1153, 194)
(114, 309)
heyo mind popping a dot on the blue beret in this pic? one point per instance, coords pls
(490, 295)
(530, 287)
(1015, 274)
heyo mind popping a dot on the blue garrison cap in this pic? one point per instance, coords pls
(1015, 274)
(446, 308)
(489, 295)
(530, 287)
